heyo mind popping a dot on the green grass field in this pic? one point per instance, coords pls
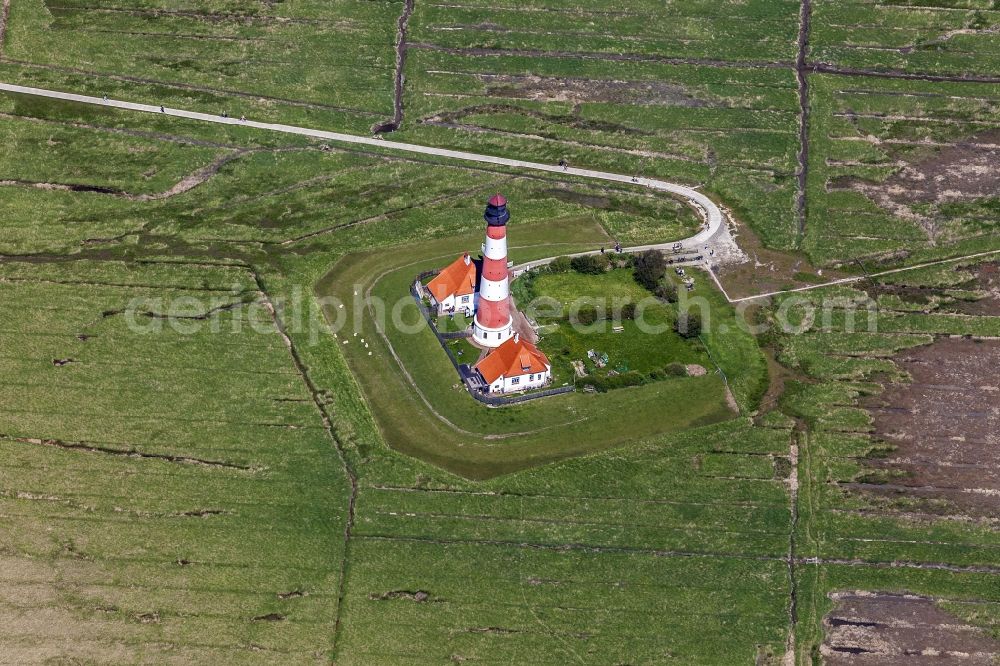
(139, 475)
(193, 469)
(935, 37)
(293, 55)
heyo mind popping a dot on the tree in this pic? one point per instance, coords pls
(688, 324)
(650, 267)
(628, 311)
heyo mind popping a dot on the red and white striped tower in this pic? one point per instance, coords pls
(494, 325)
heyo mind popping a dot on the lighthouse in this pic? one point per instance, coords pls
(493, 324)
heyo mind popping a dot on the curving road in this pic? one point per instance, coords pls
(712, 214)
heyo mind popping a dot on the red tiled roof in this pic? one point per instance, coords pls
(513, 358)
(458, 278)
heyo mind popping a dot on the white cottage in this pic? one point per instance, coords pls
(453, 290)
(516, 365)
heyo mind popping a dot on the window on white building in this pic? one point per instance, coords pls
(515, 380)
(465, 299)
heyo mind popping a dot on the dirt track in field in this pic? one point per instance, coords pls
(945, 426)
(899, 629)
(4, 16)
(581, 90)
(592, 55)
(769, 270)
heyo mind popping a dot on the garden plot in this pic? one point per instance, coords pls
(628, 345)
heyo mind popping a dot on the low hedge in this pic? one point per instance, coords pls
(605, 384)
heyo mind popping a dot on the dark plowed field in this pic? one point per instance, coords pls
(944, 426)
(890, 629)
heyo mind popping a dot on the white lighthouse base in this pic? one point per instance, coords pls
(492, 337)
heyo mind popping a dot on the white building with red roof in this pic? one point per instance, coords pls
(453, 290)
(516, 365)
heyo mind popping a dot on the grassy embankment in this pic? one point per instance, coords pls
(422, 409)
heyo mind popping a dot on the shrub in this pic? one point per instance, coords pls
(667, 292)
(688, 324)
(588, 315)
(523, 288)
(676, 370)
(650, 266)
(628, 311)
(630, 378)
(561, 265)
(590, 264)
(622, 260)
(605, 384)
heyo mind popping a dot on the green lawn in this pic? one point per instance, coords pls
(453, 323)
(464, 351)
(641, 346)
(570, 286)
